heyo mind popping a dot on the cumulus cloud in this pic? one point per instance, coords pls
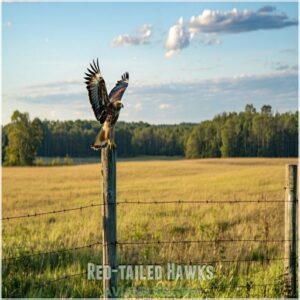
(207, 25)
(235, 21)
(177, 39)
(146, 31)
(142, 37)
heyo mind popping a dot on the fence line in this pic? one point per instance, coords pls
(199, 201)
(62, 278)
(156, 263)
(198, 241)
(265, 259)
(51, 212)
(106, 242)
(246, 286)
(64, 210)
(52, 251)
(158, 242)
(143, 243)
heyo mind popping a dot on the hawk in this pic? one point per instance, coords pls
(106, 107)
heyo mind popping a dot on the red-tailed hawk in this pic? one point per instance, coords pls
(106, 107)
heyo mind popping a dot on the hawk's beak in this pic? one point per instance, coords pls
(122, 105)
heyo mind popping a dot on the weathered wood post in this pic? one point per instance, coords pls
(109, 221)
(290, 265)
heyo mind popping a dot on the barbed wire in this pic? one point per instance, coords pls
(36, 214)
(64, 210)
(201, 201)
(137, 243)
(67, 277)
(158, 242)
(196, 241)
(45, 283)
(249, 285)
(243, 260)
(52, 252)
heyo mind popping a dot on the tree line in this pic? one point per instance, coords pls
(246, 134)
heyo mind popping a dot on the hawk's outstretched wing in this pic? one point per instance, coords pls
(117, 92)
(95, 85)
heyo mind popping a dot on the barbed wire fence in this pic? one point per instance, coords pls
(64, 210)
(97, 243)
(289, 259)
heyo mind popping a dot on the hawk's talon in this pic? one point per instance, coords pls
(111, 144)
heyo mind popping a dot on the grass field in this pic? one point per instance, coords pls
(30, 190)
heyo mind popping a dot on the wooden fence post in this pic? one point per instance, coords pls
(109, 221)
(290, 263)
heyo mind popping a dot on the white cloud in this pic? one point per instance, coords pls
(143, 36)
(177, 39)
(235, 21)
(209, 23)
(146, 31)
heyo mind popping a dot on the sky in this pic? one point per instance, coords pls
(187, 61)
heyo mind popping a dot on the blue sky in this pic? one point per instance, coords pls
(187, 62)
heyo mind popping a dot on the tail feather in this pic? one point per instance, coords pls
(100, 141)
(97, 147)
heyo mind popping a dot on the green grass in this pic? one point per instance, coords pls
(29, 190)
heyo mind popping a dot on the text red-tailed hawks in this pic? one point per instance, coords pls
(106, 107)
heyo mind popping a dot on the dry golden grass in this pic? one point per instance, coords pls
(29, 190)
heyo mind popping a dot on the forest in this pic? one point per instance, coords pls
(249, 133)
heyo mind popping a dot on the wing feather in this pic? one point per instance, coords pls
(117, 92)
(96, 87)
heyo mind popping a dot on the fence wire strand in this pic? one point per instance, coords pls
(51, 212)
(197, 241)
(140, 243)
(246, 286)
(155, 242)
(64, 210)
(45, 283)
(52, 252)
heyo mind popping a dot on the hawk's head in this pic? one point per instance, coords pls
(118, 105)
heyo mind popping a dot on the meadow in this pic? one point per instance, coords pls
(27, 190)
